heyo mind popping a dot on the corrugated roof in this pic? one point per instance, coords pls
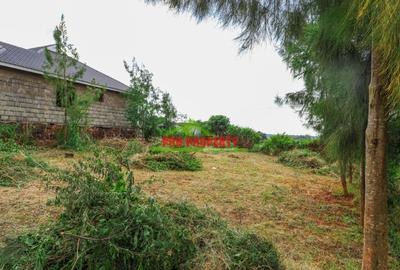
(32, 60)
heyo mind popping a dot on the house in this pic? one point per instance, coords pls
(25, 96)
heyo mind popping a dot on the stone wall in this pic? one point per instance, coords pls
(28, 98)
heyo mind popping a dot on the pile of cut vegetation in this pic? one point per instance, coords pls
(304, 158)
(177, 161)
(109, 223)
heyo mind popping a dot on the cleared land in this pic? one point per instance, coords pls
(300, 212)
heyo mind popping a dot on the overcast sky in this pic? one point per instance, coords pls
(198, 64)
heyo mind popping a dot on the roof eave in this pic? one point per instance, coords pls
(4, 64)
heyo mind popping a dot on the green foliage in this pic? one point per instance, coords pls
(332, 76)
(62, 71)
(77, 119)
(168, 111)
(135, 147)
(189, 128)
(178, 161)
(247, 137)
(108, 223)
(8, 137)
(394, 208)
(310, 143)
(18, 168)
(218, 124)
(275, 144)
(146, 110)
(301, 158)
(304, 158)
(393, 180)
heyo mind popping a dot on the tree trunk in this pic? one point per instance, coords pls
(375, 251)
(350, 173)
(362, 188)
(65, 125)
(343, 179)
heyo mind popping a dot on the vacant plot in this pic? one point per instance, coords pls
(297, 210)
(313, 228)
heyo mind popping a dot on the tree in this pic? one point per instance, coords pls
(168, 111)
(375, 23)
(381, 20)
(330, 79)
(62, 70)
(146, 110)
(218, 124)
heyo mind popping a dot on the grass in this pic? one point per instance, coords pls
(294, 207)
(311, 227)
(108, 223)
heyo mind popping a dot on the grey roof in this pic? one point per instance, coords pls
(32, 60)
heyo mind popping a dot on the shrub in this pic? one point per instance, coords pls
(108, 223)
(247, 137)
(310, 144)
(275, 144)
(178, 161)
(8, 137)
(190, 128)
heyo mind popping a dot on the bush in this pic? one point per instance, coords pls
(188, 129)
(310, 144)
(247, 137)
(275, 144)
(108, 223)
(178, 161)
(218, 124)
(8, 136)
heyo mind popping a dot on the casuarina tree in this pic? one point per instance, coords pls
(375, 24)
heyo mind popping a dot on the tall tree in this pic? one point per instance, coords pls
(62, 70)
(168, 111)
(381, 19)
(282, 20)
(148, 108)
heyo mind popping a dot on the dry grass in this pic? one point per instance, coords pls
(24, 209)
(312, 228)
